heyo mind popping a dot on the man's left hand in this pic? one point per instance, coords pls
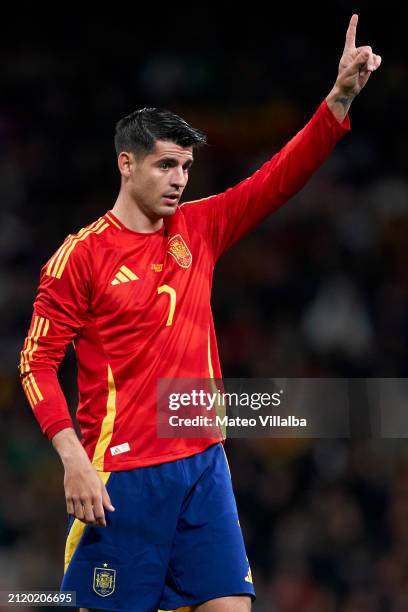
(356, 63)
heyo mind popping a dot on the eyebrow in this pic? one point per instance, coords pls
(174, 161)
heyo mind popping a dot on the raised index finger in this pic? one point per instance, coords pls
(351, 33)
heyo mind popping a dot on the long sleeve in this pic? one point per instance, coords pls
(60, 311)
(226, 217)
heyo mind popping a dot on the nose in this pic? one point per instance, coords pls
(178, 178)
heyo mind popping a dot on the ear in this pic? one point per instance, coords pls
(125, 161)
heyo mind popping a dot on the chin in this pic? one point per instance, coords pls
(167, 211)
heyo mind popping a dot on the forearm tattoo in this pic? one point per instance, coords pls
(345, 102)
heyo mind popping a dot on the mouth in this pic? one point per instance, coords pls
(171, 198)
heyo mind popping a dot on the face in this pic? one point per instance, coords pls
(156, 182)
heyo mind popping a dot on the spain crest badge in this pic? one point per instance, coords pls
(180, 251)
(104, 581)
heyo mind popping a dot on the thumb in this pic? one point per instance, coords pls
(107, 504)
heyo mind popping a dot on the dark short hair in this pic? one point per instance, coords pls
(139, 131)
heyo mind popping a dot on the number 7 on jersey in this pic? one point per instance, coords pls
(173, 299)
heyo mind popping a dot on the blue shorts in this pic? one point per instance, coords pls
(173, 541)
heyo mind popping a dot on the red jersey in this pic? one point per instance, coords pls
(137, 307)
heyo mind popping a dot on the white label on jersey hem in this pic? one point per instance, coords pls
(121, 448)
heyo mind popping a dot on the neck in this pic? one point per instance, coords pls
(132, 217)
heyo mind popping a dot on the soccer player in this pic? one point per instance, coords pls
(153, 522)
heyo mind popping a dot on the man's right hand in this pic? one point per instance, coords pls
(85, 493)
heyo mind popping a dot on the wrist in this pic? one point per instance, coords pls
(68, 446)
(339, 91)
(339, 101)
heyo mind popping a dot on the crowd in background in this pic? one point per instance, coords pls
(320, 289)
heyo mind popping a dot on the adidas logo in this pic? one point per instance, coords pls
(124, 276)
(248, 577)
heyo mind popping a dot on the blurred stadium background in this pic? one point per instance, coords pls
(320, 289)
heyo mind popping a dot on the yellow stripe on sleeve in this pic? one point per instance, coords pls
(112, 220)
(29, 343)
(58, 262)
(55, 262)
(40, 329)
(33, 383)
(100, 227)
(29, 394)
(56, 255)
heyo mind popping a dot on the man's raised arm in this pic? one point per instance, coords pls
(224, 218)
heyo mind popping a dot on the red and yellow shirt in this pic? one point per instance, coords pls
(137, 307)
